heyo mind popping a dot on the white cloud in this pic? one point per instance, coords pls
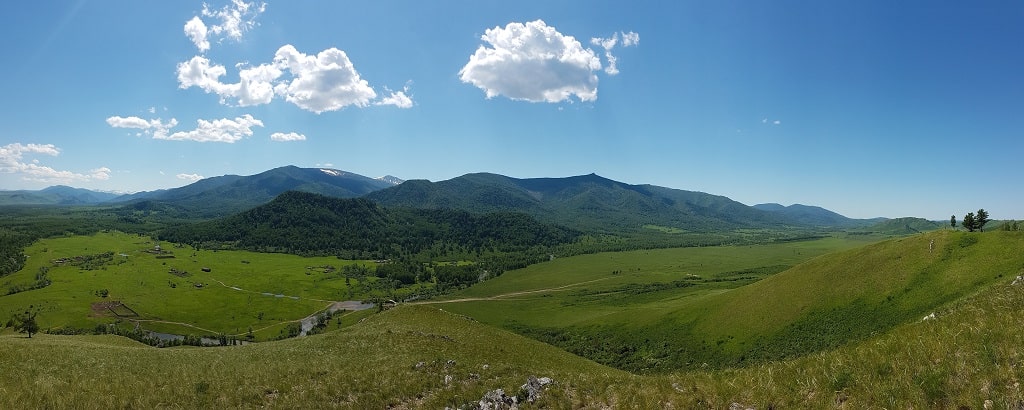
(154, 127)
(12, 162)
(152, 110)
(235, 19)
(196, 31)
(198, 72)
(776, 122)
(101, 173)
(397, 98)
(532, 62)
(628, 39)
(220, 130)
(190, 177)
(283, 137)
(327, 81)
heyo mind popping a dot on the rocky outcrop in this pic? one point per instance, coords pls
(528, 393)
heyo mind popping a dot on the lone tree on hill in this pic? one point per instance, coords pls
(952, 221)
(981, 219)
(26, 323)
(968, 222)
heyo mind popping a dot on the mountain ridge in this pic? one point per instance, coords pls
(590, 201)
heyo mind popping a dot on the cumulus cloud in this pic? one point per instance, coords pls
(190, 177)
(532, 62)
(284, 137)
(12, 161)
(628, 40)
(220, 130)
(327, 81)
(772, 122)
(196, 31)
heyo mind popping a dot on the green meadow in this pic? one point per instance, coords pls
(923, 321)
(425, 357)
(663, 310)
(179, 289)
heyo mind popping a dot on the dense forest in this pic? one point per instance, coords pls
(312, 224)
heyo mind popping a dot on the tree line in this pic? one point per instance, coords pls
(972, 221)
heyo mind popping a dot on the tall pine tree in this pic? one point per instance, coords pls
(968, 222)
(981, 219)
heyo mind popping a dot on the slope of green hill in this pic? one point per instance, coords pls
(690, 317)
(424, 357)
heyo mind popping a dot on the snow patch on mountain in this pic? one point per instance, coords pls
(393, 180)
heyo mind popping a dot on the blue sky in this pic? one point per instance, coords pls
(869, 108)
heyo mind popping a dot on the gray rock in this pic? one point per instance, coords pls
(534, 387)
(497, 400)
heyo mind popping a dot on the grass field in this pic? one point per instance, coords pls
(731, 306)
(240, 289)
(424, 357)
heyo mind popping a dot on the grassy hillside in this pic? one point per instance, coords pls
(424, 357)
(659, 314)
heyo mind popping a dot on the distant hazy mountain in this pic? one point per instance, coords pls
(55, 195)
(904, 226)
(586, 201)
(811, 215)
(393, 180)
(232, 193)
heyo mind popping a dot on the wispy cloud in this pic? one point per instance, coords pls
(628, 40)
(230, 21)
(284, 137)
(190, 177)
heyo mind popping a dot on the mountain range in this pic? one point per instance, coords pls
(56, 195)
(223, 195)
(587, 202)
